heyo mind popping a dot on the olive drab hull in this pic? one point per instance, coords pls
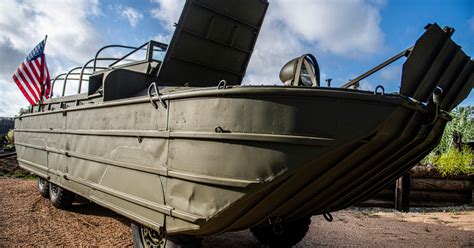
(211, 154)
(174, 153)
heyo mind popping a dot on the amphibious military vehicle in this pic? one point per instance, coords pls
(182, 149)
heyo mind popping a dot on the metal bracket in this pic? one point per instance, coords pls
(434, 105)
(437, 95)
(277, 227)
(219, 129)
(157, 93)
(403, 53)
(379, 87)
(328, 216)
(329, 81)
(222, 85)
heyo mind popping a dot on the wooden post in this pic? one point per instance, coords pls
(402, 193)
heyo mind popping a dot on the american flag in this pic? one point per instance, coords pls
(32, 76)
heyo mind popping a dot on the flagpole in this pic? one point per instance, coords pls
(42, 72)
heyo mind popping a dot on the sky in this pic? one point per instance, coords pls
(347, 37)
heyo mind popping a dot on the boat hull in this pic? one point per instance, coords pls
(216, 160)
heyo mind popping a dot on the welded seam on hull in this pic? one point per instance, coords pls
(394, 154)
(167, 210)
(342, 94)
(125, 213)
(241, 183)
(421, 145)
(258, 137)
(391, 145)
(35, 165)
(91, 197)
(24, 164)
(216, 180)
(291, 139)
(133, 199)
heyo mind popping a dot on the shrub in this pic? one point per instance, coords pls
(454, 162)
(461, 123)
(10, 141)
(448, 160)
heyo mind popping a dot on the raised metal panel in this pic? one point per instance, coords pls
(437, 61)
(422, 56)
(461, 88)
(213, 41)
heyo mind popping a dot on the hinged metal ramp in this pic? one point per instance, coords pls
(436, 61)
(213, 41)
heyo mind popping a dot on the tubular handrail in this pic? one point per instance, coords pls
(389, 61)
(80, 79)
(150, 47)
(135, 49)
(57, 77)
(62, 76)
(54, 81)
(128, 54)
(106, 47)
(67, 75)
(85, 66)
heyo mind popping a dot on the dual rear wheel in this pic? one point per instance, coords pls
(144, 237)
(43, 187)
(60, 198)
(285, 235)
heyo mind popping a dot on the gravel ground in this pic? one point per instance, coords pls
(27, 219)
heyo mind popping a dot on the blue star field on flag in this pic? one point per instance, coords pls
(36, 52)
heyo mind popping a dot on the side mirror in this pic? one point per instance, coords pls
(301, 71)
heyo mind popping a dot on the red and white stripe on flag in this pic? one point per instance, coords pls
(34, 84)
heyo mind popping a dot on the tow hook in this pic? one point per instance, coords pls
(328, 216)
(277, 227)
(437, 98)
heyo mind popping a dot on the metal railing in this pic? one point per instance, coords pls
(150, 47)
(354, 82)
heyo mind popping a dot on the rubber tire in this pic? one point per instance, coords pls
(293, 233)
(63, 199)
(175, 241)
(43, 187)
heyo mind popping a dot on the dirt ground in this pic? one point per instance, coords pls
(9, 166)
(27, 219)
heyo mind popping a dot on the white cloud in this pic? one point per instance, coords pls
(366, 85)
(340, 27)
(471, 23)
(72, 39)
(133, 16)
(391, 73)
(293, 27)
(11, 99)
(275, 47)
(164, 38)
(70, 34)
(168, 12)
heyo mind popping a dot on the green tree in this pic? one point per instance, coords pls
(447, 159)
